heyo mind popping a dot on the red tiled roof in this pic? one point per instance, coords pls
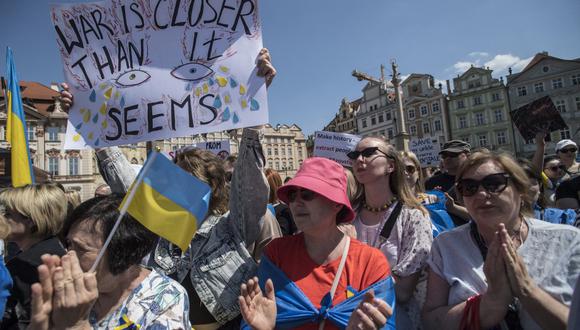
(37, 95)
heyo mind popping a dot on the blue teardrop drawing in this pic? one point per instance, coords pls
(236, 118)
(233, 83)
(217, 103)
(189, 86)
(93, 96)
(254, 105)
(96, 118)
(97, 142)
(79, 126)
(122, 103)
(226, 114)
(210, 82)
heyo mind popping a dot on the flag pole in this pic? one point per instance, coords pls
(123, 210)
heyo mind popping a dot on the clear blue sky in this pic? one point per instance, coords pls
(316, 44)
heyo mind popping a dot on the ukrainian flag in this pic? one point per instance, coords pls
(21, 165)
(168, 200)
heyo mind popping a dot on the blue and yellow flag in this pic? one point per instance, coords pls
(168, 200)
(21, 164)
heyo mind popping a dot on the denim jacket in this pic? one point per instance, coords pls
(219, 257)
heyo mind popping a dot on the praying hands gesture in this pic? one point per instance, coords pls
(64, 296)
(259, 310)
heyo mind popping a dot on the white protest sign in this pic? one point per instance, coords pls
(335, 146)
(427, 150)
(144, 70)
(219, 148)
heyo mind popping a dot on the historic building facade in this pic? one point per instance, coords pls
(425, 108)
(344, 121)
(376, 114)
(557, 78)
(479, 111)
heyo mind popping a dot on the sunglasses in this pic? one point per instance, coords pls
(493, 183)
(305, 194)
(367, 152)
(567, 150)
(556, 168)
(449, 155)
(410, 169)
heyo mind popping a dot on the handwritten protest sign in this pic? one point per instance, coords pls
(427, 150)
(538, 116)
(147, 69)
(219, 148)
(334, 146)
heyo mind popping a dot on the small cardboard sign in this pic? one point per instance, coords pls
(335, 146)
(427, 150)
(538, 116)
(219, 148)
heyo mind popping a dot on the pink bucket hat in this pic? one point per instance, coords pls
(324, 177)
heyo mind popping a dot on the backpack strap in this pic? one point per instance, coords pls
(388, 227)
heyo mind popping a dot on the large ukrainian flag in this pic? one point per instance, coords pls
(21, 164)
(168, 200)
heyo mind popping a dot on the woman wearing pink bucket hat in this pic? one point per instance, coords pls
(320, 276)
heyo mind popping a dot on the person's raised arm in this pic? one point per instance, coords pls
(538, 159)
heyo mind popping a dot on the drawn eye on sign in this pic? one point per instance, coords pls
(132, 78)
(192, 71)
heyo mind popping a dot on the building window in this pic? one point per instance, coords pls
(435, 107)
(424, 111)
(373, 121)
(576, 79)
(31, 132)
(411, 113)
(479, 119)
(539, 87)
(522, 91)
(482, 140)
(426, 128)
(561, 106)
(564, 134)
(283, 151)
(275, 151)
(381, 119)
(413, 130)
(364, 123)
(388, 115)
(578, 103)
(277, 166)
(476, 100)
(269, 151)
(300, 154)
(498, 115)
(390, 133)
(290, 151)
(495, 97)
(460, 104)
(462, 122)
(557, 83)
(53, 165)
(501, 138)
(465, 138)
(437, 124)
(73, 166)
(52, 133)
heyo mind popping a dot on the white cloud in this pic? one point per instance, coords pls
(478, 54)
(442, 82)
(462, 66)
(501, 62)
(403, 77)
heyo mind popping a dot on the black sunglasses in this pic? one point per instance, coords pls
(305, 194)
(367, 152)
(567, 150)
(493, 183)
(410, 169)
(556, 168)
(448, 155)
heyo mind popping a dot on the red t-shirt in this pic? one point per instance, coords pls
(364, 266)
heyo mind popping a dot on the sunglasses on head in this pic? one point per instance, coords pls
(567, 150)
(367, 152)
(556, 168)
(493, 183)
(305, 194)
(410, 169)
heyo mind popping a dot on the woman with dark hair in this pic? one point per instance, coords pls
(391, 219)
(127, 294)
(281, 210)
(503, 269)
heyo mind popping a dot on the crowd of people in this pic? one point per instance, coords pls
(488, 241)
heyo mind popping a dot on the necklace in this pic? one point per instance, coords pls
(381, 208)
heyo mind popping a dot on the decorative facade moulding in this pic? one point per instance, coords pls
(53, 153)
(73, 154)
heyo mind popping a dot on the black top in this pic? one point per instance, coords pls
(443, 180)
(285, 219)
(569, 189)
(22, 266)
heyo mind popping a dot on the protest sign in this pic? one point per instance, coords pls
(427, 150)
(143, 70)
(219, 148)
(334, 146)
(538, 116)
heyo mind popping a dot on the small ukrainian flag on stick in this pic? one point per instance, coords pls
(166, 200)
